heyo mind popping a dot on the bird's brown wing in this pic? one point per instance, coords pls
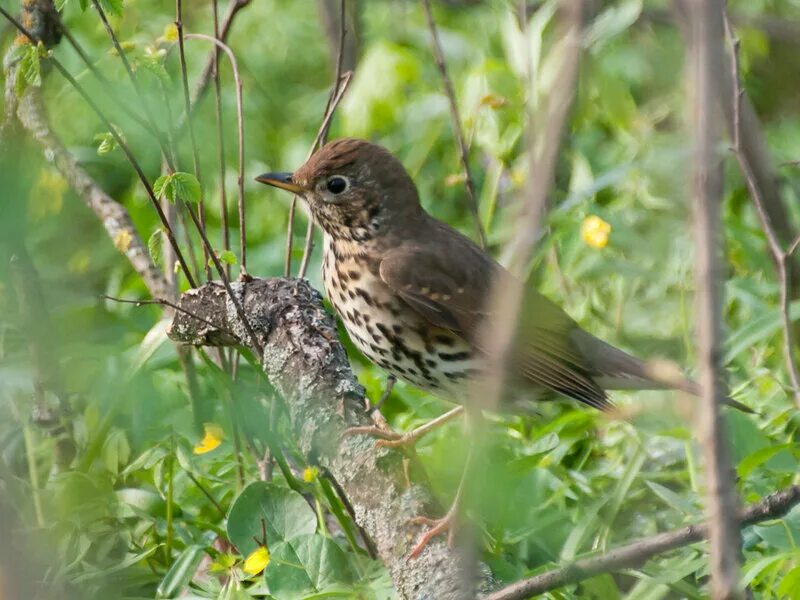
(450, 287)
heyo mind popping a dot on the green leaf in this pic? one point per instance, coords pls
(187, 188)
(112, 6)
(311, 563)
(285, 514)
(228, 257)
(155, 246)
(108, 143)
(29, 68)
(163, 185)
(181, 572)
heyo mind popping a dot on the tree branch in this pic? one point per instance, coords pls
(705, 54)
(639, 552)
(306, 363)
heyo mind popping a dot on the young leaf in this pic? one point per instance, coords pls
(29, 70)
(227, 257)
(187, 188)
(155, 246)
(163, 185)
(108, 142)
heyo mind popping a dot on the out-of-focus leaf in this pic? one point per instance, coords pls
(181, 572)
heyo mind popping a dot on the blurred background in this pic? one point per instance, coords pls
(108, 479)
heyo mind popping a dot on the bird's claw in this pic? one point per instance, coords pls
(437, 527)
(386, 438)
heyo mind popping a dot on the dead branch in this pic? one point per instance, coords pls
(639, 552)
(705, 54)
(306, 363)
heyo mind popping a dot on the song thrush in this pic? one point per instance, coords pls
(413, 293)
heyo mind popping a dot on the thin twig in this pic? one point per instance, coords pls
(172, 305)
(637, 553)
(226, 236)
(234, 6)
(722, 499)
(207, 494)
(782, 258)
(120, 142)
(108, 87)
(469, 182)
(226, 283)
(322, 135)
(201, 208)
(132, 76)
(240, 126)
(287, 260)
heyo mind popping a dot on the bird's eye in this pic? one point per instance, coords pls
(336, 184)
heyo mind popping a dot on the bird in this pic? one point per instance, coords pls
(415, 296)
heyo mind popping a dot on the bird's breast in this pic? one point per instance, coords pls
(388, 331)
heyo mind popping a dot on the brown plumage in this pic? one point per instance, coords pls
(413, 292)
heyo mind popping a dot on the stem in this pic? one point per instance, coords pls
(463, 151)
(240, 126)
(188, 109)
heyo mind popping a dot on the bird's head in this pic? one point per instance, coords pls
(355, 190)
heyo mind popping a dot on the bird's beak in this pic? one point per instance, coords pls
(281, 180)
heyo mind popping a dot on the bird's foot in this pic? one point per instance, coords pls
(388, 438)
(392, 439)
(447, 524)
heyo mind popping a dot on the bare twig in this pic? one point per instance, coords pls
(240, 126)
(132, 76)
(322, 134)
(639, 552)
(163, 302)
(458, 132)
(201, 208)
(226, 236)
(706, 56)
(234, 6)
(783, 259)
(337, 91)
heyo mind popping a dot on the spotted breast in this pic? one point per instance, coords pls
(388, 331)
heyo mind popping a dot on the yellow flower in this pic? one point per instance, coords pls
(211, 439)
(171, 33)
(123, 240)
(310, 474)
(594, 232)
(257, 561)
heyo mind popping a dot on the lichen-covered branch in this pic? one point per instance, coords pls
(307, 364)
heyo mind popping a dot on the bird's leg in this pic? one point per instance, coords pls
(449, 521)
(391, 439)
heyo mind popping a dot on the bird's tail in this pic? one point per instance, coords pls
(615, 369)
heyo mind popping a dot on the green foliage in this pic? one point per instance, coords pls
(127, 509)
(178, 186)
(29, 68)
